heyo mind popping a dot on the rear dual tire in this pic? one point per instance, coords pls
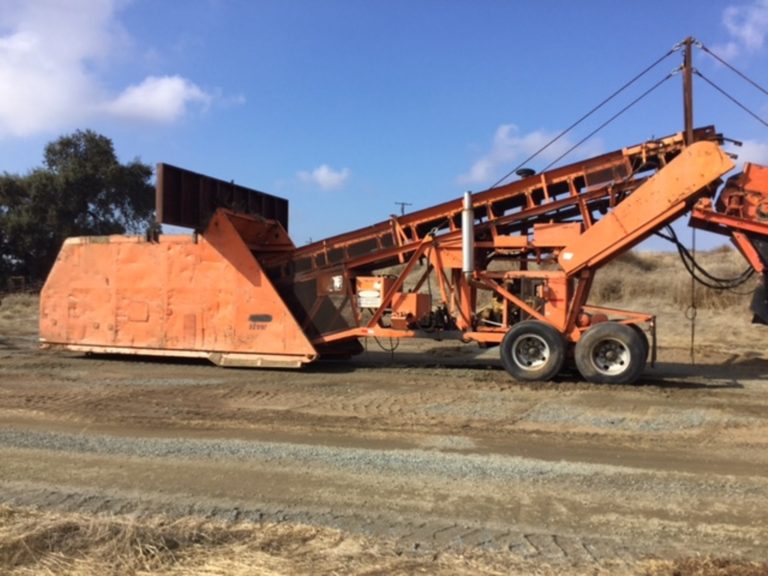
(611, 353)
(607, 353)
(532, 351)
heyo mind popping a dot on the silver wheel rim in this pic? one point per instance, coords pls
(530, 352)
(611, 357)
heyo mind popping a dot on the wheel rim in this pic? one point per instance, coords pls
(530, 352)
(611, 357)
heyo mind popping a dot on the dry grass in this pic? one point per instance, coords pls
(49, 543)
(705, 567)
(657, 283)
(18, 314)
(661, 277)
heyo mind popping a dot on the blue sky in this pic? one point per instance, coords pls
(346, 107)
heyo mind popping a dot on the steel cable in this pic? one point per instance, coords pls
(733, 69)
(587, 115)
(693, 310)
(611, 119)
(731, 98)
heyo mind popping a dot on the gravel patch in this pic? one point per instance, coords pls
(448, 466)
(656, 421)
(493, 406)
(168, 382)
(449, 443)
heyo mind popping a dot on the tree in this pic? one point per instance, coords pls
(82, 190)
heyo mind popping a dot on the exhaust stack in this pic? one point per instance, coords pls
(468, 235)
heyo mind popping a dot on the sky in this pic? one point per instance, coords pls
(347, 107)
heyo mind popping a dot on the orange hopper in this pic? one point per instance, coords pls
(202, 295)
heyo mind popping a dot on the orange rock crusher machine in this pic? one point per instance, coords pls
(510, 266)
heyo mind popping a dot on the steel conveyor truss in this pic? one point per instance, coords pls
(520, 233)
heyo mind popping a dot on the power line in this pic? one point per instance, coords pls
(588, 114)
(611, 119)
(733, 69)
(402, 207)
(731, 98)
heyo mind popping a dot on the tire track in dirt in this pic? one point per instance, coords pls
(408, 537)
(369, 403)
(308, 484)
(419, 538)
(463, 458)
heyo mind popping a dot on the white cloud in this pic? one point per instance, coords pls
(229, 101)
(747, 26)
(325, 177)
(50, 56)
(509, 147)
(752, 151)
(163, 99)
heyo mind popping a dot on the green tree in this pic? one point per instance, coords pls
(81, 190)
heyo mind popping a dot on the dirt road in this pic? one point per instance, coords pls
(433, 451)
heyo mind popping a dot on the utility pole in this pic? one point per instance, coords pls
(688, 89)
(402, 207)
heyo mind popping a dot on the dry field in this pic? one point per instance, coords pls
(429, 461)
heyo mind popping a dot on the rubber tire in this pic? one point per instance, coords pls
(644, 338)
(554, 341)
(627, 336)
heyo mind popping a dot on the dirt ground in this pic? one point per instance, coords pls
(430, 460)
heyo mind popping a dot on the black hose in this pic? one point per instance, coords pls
(698, 273)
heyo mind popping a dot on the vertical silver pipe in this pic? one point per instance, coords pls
(468, 235)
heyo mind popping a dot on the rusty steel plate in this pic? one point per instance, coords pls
(188, 199)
